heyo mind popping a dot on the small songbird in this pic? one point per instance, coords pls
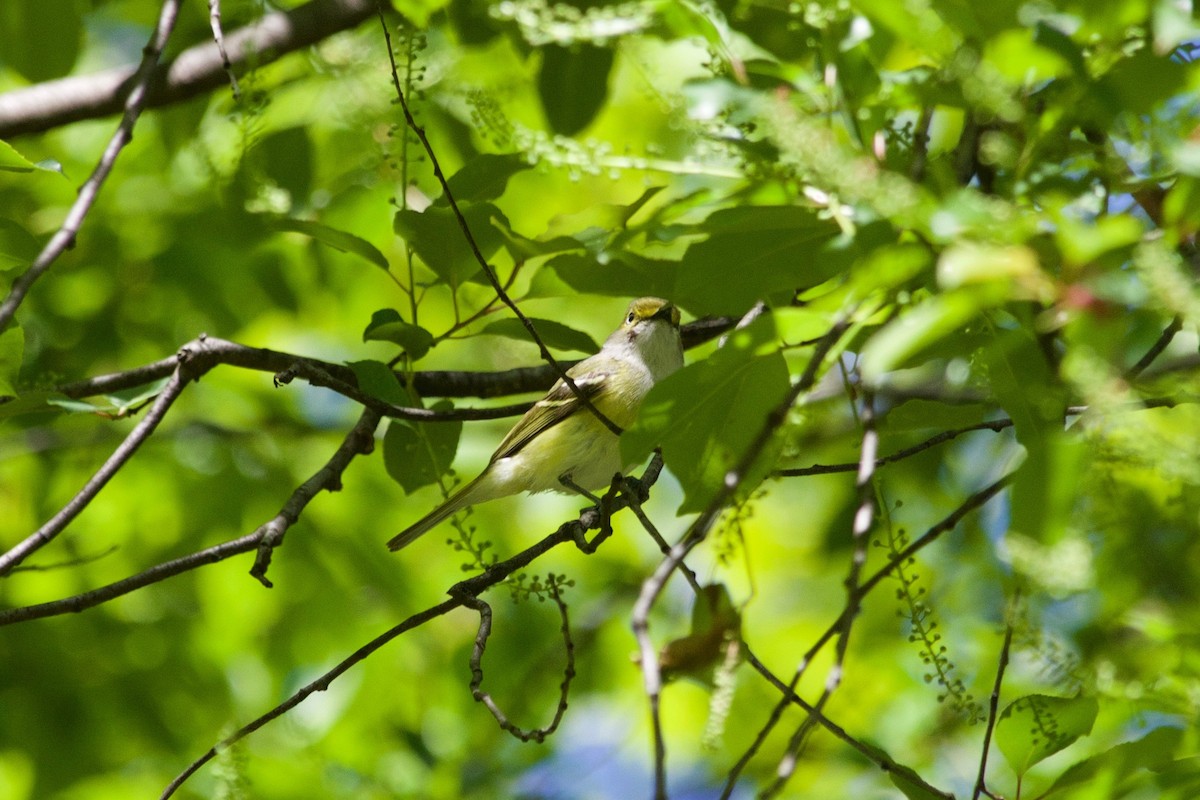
(560, 444)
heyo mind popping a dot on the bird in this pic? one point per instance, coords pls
(559, 444)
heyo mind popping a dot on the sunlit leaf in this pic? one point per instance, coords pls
(902, 341)
(752, 253)
(485, 177)
(627, 276)
(1152, 751)
(1038, 726)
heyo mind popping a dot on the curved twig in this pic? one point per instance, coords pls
(568, 532)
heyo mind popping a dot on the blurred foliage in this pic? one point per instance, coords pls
(1001, 201)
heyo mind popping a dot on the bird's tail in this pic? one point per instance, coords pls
(456, 502)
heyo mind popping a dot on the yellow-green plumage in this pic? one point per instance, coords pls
(559, 437)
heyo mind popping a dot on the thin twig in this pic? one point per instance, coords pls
(214, 22)
(193, 72)
(994, 702)
(319, 685)
(946, 524)
(945, 436)
(696, 533)
(490, 273)
(360, 441)
(876, 756)
(573, 531)
(864, 519)
(184, 373)
(485, 628)
(135, 102)
(1156, 349)
(327, 478)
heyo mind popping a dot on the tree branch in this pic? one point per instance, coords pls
(573, 531)
(948, 523)
(267, 535)
(134, 102)
(193, 72)
(184, 373)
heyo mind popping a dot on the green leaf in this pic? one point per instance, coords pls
(26, 29)
(119, 403)
(286, 157)
(1152, 751)
(554, 334)
(338, 240)
(387, 326)
(378, 380)
(752, 253)
(1025, 387)
(573, 83)
(706, 414)
(12, 161)
(12, 350)
(1037, 726)
(524, 248)
(626, 276)
(38, 402)
(435, 236)
(901, 341)
(418, 455)
(484, 177)
(18, 247)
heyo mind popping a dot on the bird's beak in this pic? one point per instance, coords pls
(668, 313)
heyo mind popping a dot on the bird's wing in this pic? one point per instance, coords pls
(558, 404)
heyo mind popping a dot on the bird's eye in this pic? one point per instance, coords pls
(631, 318)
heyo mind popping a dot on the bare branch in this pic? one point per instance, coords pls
(872, 754)
(945, 436)
(193, 72)
(184, 373)
(64, 237)
(360, 441)
(265, 537)
(696, 533)
(319, 685)
(864, 518)
(214, 21)
(481, 637)
(948, 523)
(573, 531)
(430, 383)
